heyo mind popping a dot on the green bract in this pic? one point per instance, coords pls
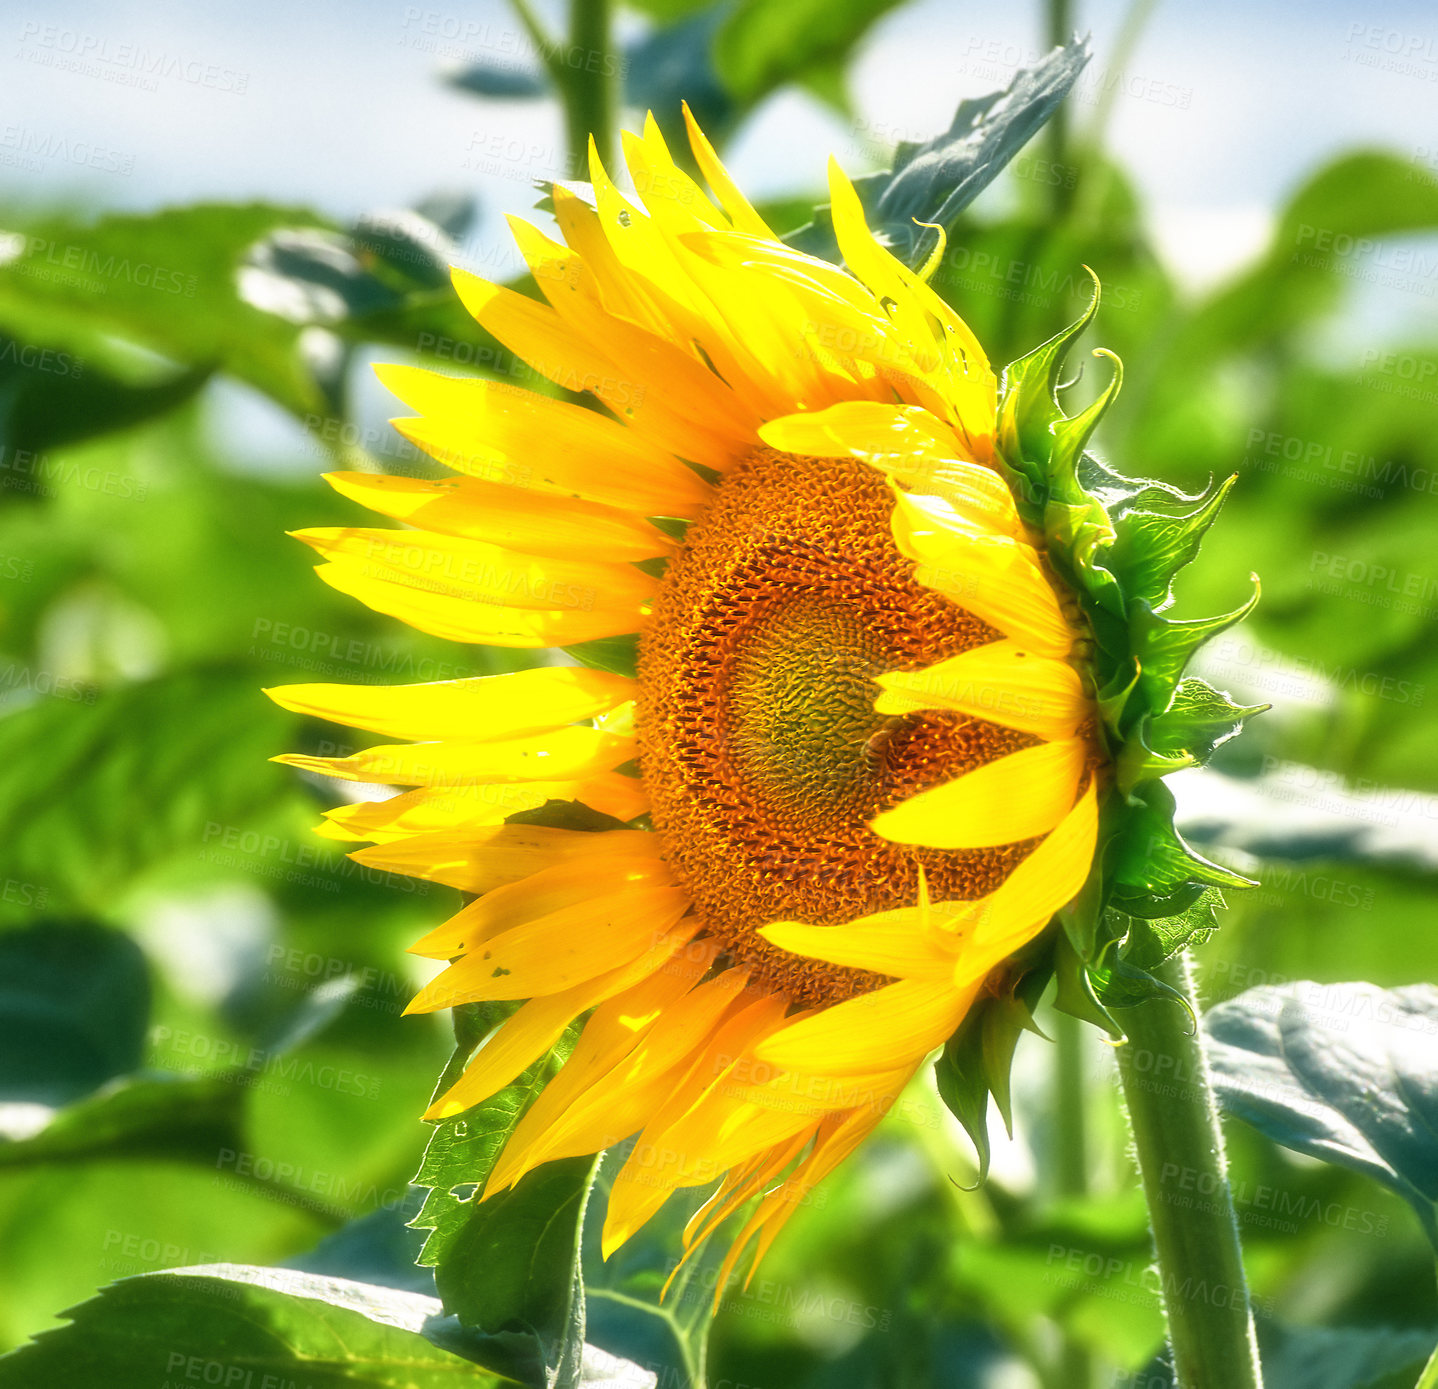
(1115, 544)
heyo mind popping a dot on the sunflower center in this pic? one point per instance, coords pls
(760, 747)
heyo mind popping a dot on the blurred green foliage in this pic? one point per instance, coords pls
(203, 1092)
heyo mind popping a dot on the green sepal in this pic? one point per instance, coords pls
(617, 655)
(1029, 410)
(1149, 856)
(1153, 906)
(1113, 698)
(1149, 942)
(1197, 720)
(1163, 646)
(1074, 991)
(977, 1060)
(1156, 537)
(1120, 984)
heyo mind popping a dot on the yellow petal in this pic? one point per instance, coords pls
(741, 212)
(1012, 798)
(661, 183)
(1000, 682)
(836, 1139)
(621, 292)
(995, 577)
(648, 1176)
(477, 860)
(892, 942)
(479, 573)
(893, 1026)
(561, 754)
(483, 803)
(970, 499)
(464, 619)
(1044, 882)
(943, 342)
(618, 1074)
(508, 517)
(560, 950)
(559, 888)
(522, 440)
(647, 983)
(864, 429)
(646, 381)
(493, 706)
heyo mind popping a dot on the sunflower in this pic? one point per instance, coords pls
(855, 764)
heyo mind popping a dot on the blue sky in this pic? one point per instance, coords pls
(1220, 111)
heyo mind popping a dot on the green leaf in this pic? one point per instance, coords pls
(935, 181)
(165, 281)
(1029, 414)
(674, 63)
(764, 44)
(174, 1118)
(1150, 942)
(1343, 1072)
(244, 1326)
(74, 1010)
(1344, 1357)
(309, 275)
(505, 1267)
(484, 79)
(512, 1268)
(63, 398)
(95, 788)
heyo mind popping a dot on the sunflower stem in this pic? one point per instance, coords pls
(1184, 1171)
(590, 87)
(1060, 25)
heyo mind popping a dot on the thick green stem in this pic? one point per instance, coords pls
(590, 85)
(1060, 30)
(1185, 1179)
